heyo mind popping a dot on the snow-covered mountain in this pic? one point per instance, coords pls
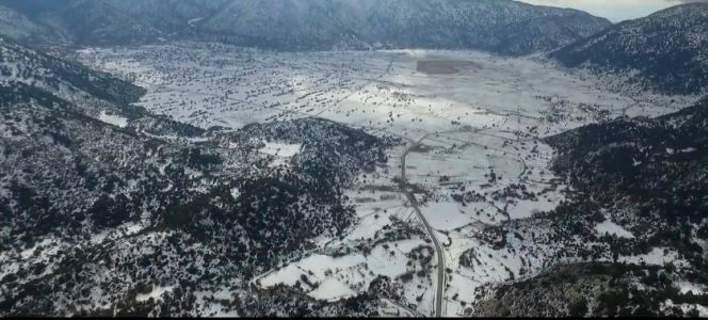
(75, 21)
(502, 26)
(667, 51)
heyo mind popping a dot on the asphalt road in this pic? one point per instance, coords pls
(438, 248)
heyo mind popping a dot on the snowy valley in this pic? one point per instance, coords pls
(165, 176)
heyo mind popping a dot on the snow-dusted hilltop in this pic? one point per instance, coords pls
(501, 26)
(668, 50)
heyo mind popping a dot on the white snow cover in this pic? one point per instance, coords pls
(696, 289)
(468, 119)
(156, 293)
(281, 149)
(332, 290)
(282, 152)
(115, 120)
(657, 256)
(686, 307)
(609, 227)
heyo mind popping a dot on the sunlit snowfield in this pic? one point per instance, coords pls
(478, 119)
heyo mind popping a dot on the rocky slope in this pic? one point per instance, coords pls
(501, 26)
(665, 51)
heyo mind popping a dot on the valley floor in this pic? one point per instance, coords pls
(470, 123)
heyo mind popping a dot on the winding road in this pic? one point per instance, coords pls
(431, 232)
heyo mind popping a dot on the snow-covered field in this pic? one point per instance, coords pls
(479, 163)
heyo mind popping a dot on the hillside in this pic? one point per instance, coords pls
(506, 27)
(71, 81)
(665, 51)
(635, 228)
(108, 201)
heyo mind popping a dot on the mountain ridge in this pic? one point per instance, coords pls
(505, 27)
(665, 49)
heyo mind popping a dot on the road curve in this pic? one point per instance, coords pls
(431, 232)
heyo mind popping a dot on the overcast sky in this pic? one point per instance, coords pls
(615, 10)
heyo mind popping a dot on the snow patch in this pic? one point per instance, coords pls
(191, 22)
(156, 293)
(281, 149)
(686, 307)
(332, 290)
(115, 120)
(686, 287)
(609, 227)
(657, 257)
(235, 193)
